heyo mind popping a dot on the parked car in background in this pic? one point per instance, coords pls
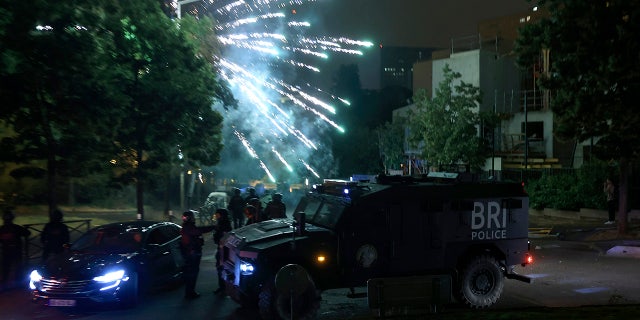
(112, 263)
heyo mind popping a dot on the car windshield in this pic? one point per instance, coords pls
(108, 240)
(320, 212)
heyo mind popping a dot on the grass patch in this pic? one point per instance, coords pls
(98, 216)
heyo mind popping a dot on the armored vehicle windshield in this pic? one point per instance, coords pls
(321, 211)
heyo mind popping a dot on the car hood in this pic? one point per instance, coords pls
(264, 234)
(82, 266)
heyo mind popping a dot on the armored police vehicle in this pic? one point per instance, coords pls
(458, 239)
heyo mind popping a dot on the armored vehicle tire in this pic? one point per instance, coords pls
(274, 305)
(303, 306)
(265, 300)
(481, 282)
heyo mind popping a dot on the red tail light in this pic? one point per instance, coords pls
(528, 259)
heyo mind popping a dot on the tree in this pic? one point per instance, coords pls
(166, 72)
(110, 81)
(56, 87)
(446, 126)
(391, 136)
(593, 77)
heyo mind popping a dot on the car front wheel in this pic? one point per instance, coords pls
(131, 295)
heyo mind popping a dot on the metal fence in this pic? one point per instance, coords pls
(33, 247)
(523, 175)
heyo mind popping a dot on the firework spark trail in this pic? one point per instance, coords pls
(286, 164)
(258, 100)
(309, 97)
(253, 153)
(246, 143)
(295, 132)
(260, 39)
(246, 74)
(250, 93)
(298, 134)
(306, 107)
(309, 168)
(267, 171)
(302, 65)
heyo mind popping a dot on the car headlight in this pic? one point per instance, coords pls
(246, 268)
(34, 277)
(111, 279)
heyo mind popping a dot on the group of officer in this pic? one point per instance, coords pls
(13, 238)
(244, 211)
(248, 210)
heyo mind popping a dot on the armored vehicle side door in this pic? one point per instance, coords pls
(416, 228)
(365, 243)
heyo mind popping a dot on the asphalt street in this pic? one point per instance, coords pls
(566, 273)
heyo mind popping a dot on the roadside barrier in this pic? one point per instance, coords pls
(33, 247)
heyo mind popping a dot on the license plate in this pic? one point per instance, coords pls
(61, 303)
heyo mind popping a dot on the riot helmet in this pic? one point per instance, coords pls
(189, 216)
(8, 216)
(56, 216)
(224, 213)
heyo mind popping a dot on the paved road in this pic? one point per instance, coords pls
(565, 274)
(574, 274)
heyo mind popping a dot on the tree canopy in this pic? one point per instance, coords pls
(391, 140)
(446, 127)
(108, 82)
(53, 63)
(593, 75)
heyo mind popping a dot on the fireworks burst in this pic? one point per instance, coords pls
(265, 51)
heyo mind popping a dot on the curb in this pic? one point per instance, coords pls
(584, 213)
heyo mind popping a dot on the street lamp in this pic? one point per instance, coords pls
(179, 4)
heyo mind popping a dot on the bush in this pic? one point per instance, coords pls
(554, 191)
(569, 189)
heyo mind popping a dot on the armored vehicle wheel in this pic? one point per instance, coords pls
(266, 305)
(292, 291)
(303, 306)
(481, 282)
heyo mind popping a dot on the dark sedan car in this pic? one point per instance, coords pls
(111, 263)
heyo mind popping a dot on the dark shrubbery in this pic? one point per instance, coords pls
(570, 189)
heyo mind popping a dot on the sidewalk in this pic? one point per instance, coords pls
(587, 228)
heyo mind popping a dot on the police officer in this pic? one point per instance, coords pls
(222, 226)
(252, 194)
(236, 205)
(251, 213)
(11, 236)
(54, 236)
(259, 215)
(191, 244)
(276, 209)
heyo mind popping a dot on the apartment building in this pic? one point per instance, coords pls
(525, 137)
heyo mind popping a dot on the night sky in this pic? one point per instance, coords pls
(411, 23)
(402, 23)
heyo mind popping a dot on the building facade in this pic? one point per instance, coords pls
(486, 60)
